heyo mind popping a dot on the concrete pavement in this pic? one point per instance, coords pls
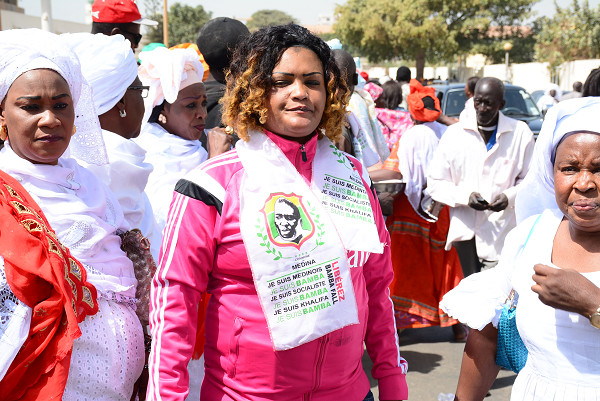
(434, 365)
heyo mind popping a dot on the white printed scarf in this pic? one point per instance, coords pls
(297, 238)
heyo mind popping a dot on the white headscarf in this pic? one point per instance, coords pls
(24, 50)
(556, 89)
(537, 189)
(166, 72)
(107, 63)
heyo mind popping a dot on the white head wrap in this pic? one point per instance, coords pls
(107, 63)
(30, 49)
(536, 192)
(556, 89)
(166, 72)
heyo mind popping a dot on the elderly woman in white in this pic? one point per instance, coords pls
(552, 261)
(173, 121)
(110, 68)
(43, 95)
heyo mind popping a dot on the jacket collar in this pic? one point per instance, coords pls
(293, 149)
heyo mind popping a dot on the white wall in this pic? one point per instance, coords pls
(536, 76)
(531, 76)
(573, 71)
(13, 20)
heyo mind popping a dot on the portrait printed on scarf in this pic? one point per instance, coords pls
(287, 220)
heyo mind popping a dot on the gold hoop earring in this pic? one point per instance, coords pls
(3, 133)
(162, 119)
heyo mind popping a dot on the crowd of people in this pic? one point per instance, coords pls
(252, 201)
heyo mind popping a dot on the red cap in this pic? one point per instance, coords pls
(118, 12)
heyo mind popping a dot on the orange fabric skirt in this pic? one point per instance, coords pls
(423, 270)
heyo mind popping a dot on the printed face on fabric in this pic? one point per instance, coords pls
(488, 101)
(577, 180)
(297, 99)
(186, 117)
(288, 221)
(38, 112)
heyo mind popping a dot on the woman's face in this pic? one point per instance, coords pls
(134, 107)
(297, 99)
(186, 117)
(38, 113)
(577, 180)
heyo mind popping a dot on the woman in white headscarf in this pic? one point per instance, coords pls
(551, 261)
(110, 68)
(174, 121)
(43, 98)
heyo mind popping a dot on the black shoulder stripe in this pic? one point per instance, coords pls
(195, 191)
(373, 189)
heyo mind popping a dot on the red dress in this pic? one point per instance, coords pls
(423, 271)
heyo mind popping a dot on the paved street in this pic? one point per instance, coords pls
(434, 365)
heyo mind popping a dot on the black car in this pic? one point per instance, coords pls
(519, 104)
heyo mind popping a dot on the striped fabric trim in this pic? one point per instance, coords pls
(418, 308)
(220, 160)
(401, 361)
(160, 289)
(416, 230)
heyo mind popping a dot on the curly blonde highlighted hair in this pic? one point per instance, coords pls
(249, 80)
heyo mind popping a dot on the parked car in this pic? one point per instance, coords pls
(536, 95)
(519, 104)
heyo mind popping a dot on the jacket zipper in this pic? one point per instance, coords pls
(320, 359)
(304, 158)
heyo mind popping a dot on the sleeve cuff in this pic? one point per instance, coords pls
(393, 388)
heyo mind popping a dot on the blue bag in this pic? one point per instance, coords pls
(511, 352)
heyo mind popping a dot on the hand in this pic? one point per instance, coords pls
(386, 201)
(565, 289)
(499, 203)
(218, 142)
(477, 202)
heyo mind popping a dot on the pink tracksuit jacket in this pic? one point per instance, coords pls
(202, 250)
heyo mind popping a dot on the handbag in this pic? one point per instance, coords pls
(511, 352)
(137, 248)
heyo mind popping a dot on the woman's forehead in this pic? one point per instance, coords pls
(40, 79)
(586, 141)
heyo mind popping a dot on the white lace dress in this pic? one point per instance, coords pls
(564, 348)
(109, 356)
(15, 318)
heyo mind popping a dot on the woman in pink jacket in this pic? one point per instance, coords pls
(287, 236)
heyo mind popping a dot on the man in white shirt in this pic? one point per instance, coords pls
(476, 170)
